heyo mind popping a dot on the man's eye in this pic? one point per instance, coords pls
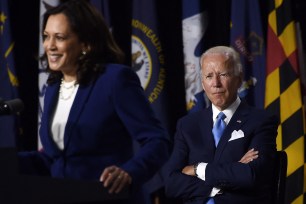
(224, 75)
(208, 77)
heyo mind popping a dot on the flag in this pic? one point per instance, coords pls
(194, 24)
(8, 79)
(148, 59)
(283, 94)
(302, 63)
(247, 39)
(43, 75)
(103, 7)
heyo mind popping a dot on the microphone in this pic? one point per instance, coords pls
(11, 107)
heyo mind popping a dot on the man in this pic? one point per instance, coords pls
(238, 168)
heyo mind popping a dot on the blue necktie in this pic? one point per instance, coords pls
(210, 201)
(217, 132)
(219, 127)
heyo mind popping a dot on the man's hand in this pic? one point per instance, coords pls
(249, 156)
(189, 170)
(115, 178)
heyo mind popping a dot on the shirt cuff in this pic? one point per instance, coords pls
(201, 170)
(214, 192)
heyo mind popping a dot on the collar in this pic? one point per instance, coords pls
(229, 111)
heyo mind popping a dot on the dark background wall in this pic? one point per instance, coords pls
(25, 31)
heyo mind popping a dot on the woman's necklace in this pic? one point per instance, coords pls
(67, 89)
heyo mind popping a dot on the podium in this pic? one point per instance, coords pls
(16, 188)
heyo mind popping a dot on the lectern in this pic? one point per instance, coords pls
(16, 188)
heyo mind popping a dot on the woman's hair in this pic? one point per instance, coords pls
(88, 24)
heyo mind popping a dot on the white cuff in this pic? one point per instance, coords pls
(214, 192)
(201, 170)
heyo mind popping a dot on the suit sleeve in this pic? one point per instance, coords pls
(139, 119)
(235, 175)
(179, 185)
(34, 163)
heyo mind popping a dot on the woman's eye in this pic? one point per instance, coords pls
(60, 38)
(45, 37)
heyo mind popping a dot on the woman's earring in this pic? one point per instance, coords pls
(83, 52)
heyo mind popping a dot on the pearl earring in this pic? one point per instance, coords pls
(84, 52)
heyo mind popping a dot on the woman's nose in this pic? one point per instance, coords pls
(50, 44)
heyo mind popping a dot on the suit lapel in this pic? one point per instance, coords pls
(239, 117)
(76, 109)
(205, 123)
(50, 100)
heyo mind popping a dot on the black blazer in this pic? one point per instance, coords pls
(240, 183)
(105, 117)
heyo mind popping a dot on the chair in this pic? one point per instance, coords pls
(280, 177)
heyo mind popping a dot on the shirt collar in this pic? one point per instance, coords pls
(229, 111)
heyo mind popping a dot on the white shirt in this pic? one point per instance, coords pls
(229, 112)
(61, 114)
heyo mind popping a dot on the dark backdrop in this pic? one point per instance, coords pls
(25, 31)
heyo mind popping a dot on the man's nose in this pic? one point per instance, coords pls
(216, 81)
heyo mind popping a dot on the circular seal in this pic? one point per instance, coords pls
(141, 61)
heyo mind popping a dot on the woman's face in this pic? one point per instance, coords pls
(61, 45)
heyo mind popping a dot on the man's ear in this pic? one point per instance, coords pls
(202, 85)
(240, 78)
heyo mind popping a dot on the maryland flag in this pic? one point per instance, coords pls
(8, 79)
(283, 94)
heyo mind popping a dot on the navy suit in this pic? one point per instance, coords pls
(240, 183)
(105, 118)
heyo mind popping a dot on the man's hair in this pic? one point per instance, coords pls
(232, 57)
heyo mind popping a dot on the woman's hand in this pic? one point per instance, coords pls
(115, 178)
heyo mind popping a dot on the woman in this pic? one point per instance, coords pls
(94, 107)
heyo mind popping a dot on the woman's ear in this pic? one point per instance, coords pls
(86, 48)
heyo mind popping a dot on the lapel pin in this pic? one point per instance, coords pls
(238, 121)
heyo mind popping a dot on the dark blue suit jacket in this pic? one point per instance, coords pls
(105, 118)
(240, 183)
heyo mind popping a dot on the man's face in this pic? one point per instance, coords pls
(219, 81)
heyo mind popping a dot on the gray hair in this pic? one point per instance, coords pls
(232, 57)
